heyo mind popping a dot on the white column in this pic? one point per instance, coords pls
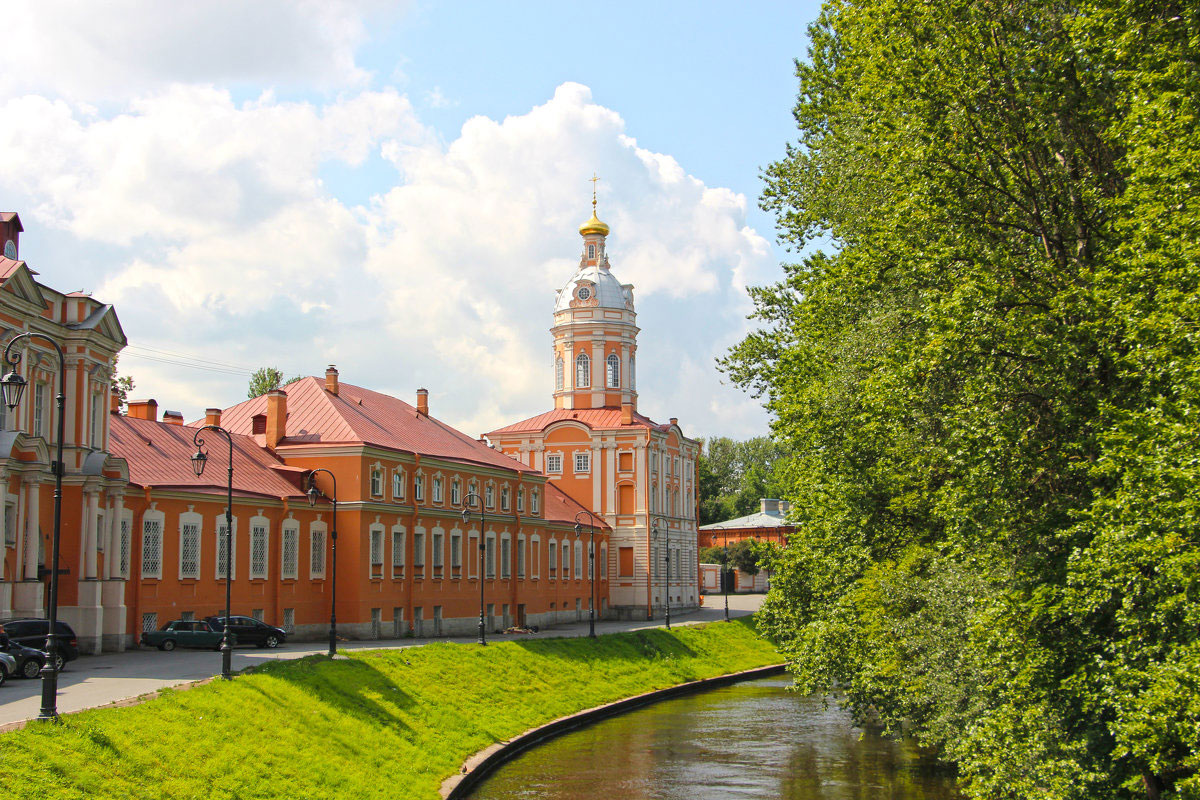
(33, 533)
(597, 373)
(90, 533)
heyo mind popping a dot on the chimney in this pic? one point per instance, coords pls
(423, 402)
(276, 416)
(173, 417)
(143, 409)
(674, 420)
(114, 401)
(212, 416)
(626, 413)
(10, 231)
(331, 380)
(769, 505)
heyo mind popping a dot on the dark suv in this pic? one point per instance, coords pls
(31, 632)
(248, 630)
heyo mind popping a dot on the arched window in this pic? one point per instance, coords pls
(614, 371)
(583, 371)
(558, 373)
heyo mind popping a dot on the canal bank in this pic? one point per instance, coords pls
(478, 767)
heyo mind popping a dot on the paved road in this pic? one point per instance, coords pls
(93, 681)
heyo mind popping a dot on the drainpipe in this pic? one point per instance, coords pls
(649, 553)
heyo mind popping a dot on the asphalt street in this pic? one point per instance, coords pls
(92, 681)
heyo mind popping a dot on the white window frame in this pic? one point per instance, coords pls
(316, 531)
(558, 373)
(533, 502)
(582, 462)
(489, 495)
(437, 489)
(398, 532)
(260, 530)
(377, 481)
(521, 555)
(456, 552)
(190, 519)
(583, 371)
(612, 373)
(437, 555)
(505, 556)
(375, 554)
(419, 487)
(578, 570)
(489, 556)
(552, 560)
(398, 481)
(152, 534)
(565, 551)
(418, 550)
(505, 499)
(289, 537)
(554, 463)
(535, 556)
(520, 501)
(455, 492)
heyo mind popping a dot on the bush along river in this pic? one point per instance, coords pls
(749, 740)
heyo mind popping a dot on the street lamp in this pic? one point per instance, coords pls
(654, 525)
(724, 566)
(13, 386)
(313, 494)
(466, 516)
(199, 461)
(591, 568)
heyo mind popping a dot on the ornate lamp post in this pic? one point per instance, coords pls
(466, 516)
(313, 494)
(591, 568)
(724, 566)
(13, 386)
(668, 577)
(199, 461)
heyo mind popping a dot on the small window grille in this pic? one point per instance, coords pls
(583, 462)
(316, 560)
(418, 550)
(189, 551)
(505, 560)
(258, 551)
(289, 620)
(554, 462)
(291, 547)
(149, 621)
(152, 548)
(437, 551)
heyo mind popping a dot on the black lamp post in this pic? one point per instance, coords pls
(668, 578)
(466, 516)
(199, 461)
(724, 574)
(313, 494)
(591, 568)
(13, 386)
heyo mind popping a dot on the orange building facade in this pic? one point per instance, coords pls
(637, 475)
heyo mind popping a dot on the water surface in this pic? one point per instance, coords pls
(750, 740)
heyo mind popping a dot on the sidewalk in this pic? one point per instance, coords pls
(93, 681)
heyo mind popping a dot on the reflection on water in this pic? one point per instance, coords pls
(750, 740)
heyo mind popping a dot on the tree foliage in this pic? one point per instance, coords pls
(743, 555)
(989, 383)
(265, 379)
(732, 476)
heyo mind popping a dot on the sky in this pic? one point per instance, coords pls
(396, 188)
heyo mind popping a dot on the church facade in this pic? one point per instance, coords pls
(638, 476)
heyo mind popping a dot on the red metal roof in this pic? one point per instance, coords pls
(7, 267)
(160, 454)
(358, 415)
(605, 418)
(561, 508)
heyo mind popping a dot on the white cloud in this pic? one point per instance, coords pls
(122, 48)
(206, 223)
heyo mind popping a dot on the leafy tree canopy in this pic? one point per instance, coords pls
(988, 384)
(264, 379)
(732, 476)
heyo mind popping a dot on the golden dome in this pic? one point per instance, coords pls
(593, 225)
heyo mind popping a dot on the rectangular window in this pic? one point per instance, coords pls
(397, 485)
(289, 620)
(123, 563)
(437, 550)
(455, 493)
(376, 553)
(149, 620)
(437, 490)
(504, 499)
(152, 548)
(490, 557)
(95, 426)
(222, 540)
(291, 551)
(10, 520)
(552, 561)
(257, 613)
(583, 462)
(554, 462)
(533, 502)
(578, 559)
(189, 550)
(316, 557)
(102, 530)
(376, 483)
(505, 558)
(418, 550)
(397, 554)
(520, 501)
(419, 488)
(39, 408)
(625, 462)
(258, 552)
(625, 562)
(535, 567)
(187, 616)
(489, 496)
(521, 558)
(398, 628)
(566, 561)
(456, 551)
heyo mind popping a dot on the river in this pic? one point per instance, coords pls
(749, 740)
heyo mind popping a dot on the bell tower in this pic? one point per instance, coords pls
(595, 330)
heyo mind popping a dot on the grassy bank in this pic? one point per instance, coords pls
(388, 724)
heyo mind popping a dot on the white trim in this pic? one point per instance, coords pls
(186, 519)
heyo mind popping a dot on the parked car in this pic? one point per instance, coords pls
(248, 630)
(31, 632)
(184, 633)
(8, 666)
(29, 660)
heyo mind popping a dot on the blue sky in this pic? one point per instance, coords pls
(395, 188)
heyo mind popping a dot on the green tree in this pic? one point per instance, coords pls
(987, 386)
(264, 379)
(732, 476)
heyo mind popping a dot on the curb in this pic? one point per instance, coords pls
(479, 766)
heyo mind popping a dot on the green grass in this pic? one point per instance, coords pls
(384, 723)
